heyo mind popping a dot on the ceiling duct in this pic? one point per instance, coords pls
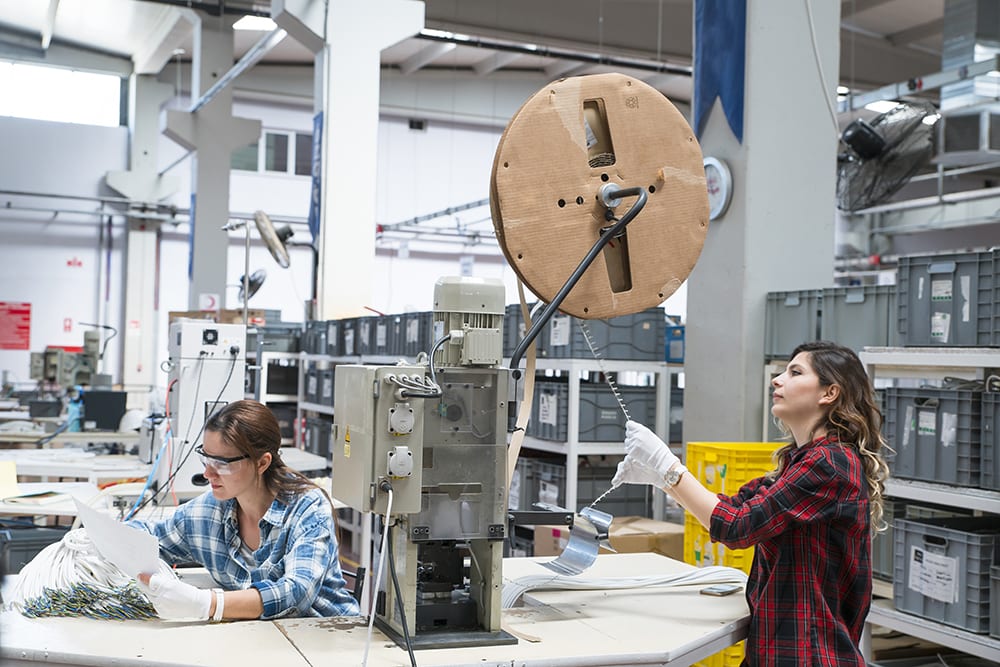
(969, 130)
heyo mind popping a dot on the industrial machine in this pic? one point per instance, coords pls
(68, 369)
(207, 364)
(425, 445)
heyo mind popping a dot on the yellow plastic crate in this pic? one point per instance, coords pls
(723, 467)
(727, 657)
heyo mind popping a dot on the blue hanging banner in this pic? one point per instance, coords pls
(719, 61)
(317, 174)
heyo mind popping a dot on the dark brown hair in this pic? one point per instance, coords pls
(251, 427)
(854, 416)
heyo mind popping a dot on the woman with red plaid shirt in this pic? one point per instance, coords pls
(811, 520)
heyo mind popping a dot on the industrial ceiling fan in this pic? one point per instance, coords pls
(880, 157)
(274, 239)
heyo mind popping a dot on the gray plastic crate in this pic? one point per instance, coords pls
(18, 546)
(601, 418)
(989, 467)
(310, 387)
(514, 330)
(882, 543)
(639, 337)
(935, 434)
(860, 316)
(417, 333)
(949, 299)
(942, 570)
(995, 599)
(626, 500)
(326, 384)
(385, 334)
(317, 436)
(334, 339)
(519, 496)
(314, 337)
(546, 483)
(275, 338)
(791, 318)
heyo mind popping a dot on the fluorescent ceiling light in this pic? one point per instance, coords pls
(259, 23)
(881, 106)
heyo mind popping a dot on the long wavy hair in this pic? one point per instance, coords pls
(251, 427)
(854, 417)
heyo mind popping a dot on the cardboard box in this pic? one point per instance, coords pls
(226, 316)
(636, 534)
(628, 534)
(550, 540)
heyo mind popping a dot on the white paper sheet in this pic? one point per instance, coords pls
(131, 550)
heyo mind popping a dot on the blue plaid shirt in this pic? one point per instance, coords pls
(296, 569)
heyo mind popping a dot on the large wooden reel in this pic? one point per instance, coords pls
(565, 142)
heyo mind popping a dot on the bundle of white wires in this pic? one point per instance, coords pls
(70, 578)
(715, 574)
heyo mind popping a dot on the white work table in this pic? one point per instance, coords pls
(651, 626)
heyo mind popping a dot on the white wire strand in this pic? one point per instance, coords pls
(378, 577)
(714, 574)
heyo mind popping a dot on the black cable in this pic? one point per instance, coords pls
(399, 596)
(45, 439)
(607, 234)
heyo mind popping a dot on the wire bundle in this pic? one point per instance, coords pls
(70, 578)
(715, 574)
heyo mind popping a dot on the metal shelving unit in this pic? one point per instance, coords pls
(572, 448)
(922, 362)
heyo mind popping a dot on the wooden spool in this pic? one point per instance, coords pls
(546, 206)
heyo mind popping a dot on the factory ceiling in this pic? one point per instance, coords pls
(882, 41)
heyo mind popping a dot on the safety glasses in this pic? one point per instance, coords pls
(222, 465)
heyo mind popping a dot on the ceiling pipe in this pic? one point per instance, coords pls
(249, 59)
(217, 8)
(644, 64)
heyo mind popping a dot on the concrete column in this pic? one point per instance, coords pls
(778, 233)
(348, 75)
(212, 132)
(141, 183)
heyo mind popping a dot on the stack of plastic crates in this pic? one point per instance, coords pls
(723, 467)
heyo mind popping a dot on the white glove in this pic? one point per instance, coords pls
(173, 599)
(631, 471)
(643, 446)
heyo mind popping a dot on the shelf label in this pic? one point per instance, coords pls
(940, 327)
(548, 409)
(559, 330)
(926, 422)
(933, 575)
(941, 290)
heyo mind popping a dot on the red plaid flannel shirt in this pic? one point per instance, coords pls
(810, 583)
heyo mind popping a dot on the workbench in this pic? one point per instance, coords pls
(650, 626)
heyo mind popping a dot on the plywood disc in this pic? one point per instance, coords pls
(565, 142)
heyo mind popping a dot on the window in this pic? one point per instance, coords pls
(61, 95)
(283, 153)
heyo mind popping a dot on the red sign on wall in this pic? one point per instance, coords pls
(15, 326)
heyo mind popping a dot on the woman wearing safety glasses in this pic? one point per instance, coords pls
(265, 532)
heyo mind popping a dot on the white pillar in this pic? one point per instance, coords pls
(778, 233)
(141, 183)
(348, 71)
(213, 133)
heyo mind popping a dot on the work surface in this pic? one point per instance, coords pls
(651, 626)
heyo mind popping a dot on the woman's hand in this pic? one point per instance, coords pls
(645, 447)
(631, 471)
(173, 599)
